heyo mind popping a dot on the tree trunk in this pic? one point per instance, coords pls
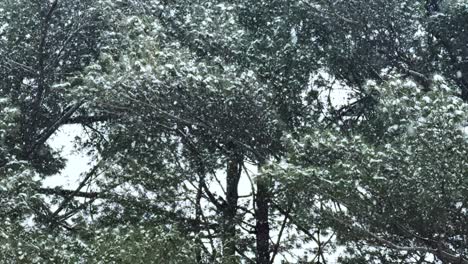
(198, 217)
(230, 210)
(262, 225)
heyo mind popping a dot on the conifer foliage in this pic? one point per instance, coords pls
(215, 137)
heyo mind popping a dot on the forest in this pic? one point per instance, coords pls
(229, 132)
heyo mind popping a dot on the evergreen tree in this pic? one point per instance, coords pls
(180, 99)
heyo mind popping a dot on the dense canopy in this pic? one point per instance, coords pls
(308, 131)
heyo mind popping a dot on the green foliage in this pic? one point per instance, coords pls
(140, 244)
(399, 176)
(171, 93)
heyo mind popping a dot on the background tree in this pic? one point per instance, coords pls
(396, 180)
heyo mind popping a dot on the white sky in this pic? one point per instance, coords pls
(77, 162)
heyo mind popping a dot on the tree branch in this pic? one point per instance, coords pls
(283, 226)
(76, 191)
(88, 119)
(68, 193)
(51, 130)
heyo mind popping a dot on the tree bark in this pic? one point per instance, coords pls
(230, 210)
(262, 225)
(198, 217)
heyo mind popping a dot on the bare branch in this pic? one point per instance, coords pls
(278, 241)
(67, 193)
(51, 130)
(67, 199)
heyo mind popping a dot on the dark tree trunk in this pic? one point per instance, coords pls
(262, 225)
(198, 217)
(230, 210)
